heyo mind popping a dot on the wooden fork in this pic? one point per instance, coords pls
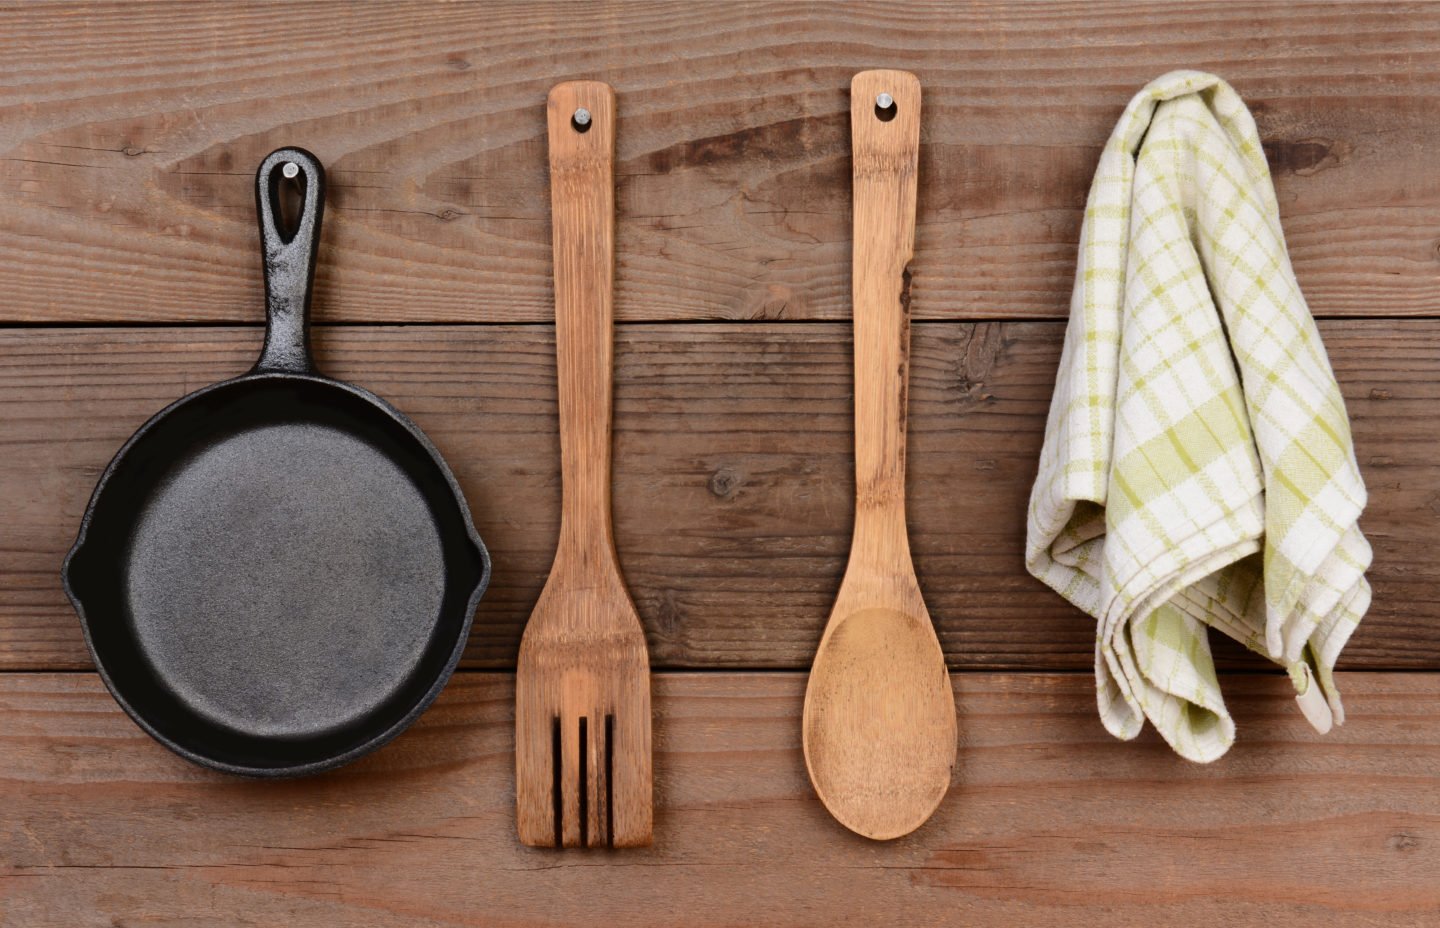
(582, 702)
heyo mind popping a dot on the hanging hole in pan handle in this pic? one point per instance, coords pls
(293, 189)
(291, 198)
(288, 188)
(885, 107)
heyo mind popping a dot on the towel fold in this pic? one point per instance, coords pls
(1198, 468)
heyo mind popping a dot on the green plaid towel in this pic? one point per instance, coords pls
(1198, 468)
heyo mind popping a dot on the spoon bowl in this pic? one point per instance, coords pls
(880, 722)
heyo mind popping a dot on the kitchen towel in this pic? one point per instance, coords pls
(1198, 469)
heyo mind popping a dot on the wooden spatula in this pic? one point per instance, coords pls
(879, 726)
(582, 703)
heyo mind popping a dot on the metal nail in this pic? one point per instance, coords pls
(290, 170)
(884, 101)
(582, 117)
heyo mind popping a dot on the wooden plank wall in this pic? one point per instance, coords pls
(128, 255)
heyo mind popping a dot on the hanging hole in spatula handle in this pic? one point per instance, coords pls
(885, 106)
(290, 202)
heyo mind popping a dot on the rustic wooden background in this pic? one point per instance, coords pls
(128, 259)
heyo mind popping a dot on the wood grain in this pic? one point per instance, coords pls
(1050, 821)
(583, 775)
(879, 719)
(734, 475)
(129, 132)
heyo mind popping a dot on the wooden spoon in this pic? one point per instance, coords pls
(879, 712)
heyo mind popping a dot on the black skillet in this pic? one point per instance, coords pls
(277, 573)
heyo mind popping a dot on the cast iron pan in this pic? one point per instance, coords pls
(277, 573)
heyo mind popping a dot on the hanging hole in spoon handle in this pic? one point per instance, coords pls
(290, 203)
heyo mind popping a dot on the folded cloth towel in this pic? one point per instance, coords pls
(1198, 468)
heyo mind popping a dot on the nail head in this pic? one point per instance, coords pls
(884, 101)
(290, 170)
(582, 117)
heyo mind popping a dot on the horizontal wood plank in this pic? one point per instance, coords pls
(733, 475)
(1050, 821)
(129, 135)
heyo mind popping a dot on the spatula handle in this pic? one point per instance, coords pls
(581, 118)
(885, 145)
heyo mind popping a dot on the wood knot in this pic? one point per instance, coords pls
(775, 303)
(724, 482)
(457, 63)
(976, 359)
(668, 615)
(132, 151)
(1379, 394)
(449, 214)
(972, 392)
(1402, 842)
(1306, 156)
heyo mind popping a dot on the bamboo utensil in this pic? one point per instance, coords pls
(879, 722)
(582, 704)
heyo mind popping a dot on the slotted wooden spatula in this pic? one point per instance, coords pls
(879, 728)
(582, 703)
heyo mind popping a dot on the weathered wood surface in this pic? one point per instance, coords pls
(129, 135)
(734, 480)
(1050, 821)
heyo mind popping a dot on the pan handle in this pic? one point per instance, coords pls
(289, 250)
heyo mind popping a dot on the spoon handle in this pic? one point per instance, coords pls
(581, 119)
(885, 143)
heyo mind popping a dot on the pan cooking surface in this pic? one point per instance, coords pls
(285, 579)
